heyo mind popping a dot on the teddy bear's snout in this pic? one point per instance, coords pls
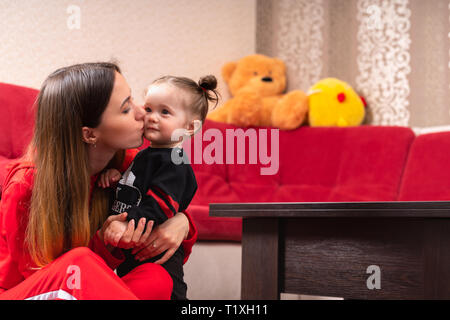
(267, 79)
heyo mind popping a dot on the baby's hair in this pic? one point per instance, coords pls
(204, 92)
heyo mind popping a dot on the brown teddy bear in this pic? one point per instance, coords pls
(257, 83)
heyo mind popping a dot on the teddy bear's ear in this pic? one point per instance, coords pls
(280, 64)
(227, 70)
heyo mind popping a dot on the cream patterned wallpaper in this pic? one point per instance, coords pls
(301, 50)
(148, 38)
(384, 58)
(396, 53)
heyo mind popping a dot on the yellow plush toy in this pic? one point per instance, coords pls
(333, 102)
(257, 83)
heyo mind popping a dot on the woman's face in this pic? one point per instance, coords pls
(122, 122)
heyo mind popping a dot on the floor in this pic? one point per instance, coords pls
(213, 272)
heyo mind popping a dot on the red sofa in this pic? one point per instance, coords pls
(366, 163)
(16, 123)
(363, 163)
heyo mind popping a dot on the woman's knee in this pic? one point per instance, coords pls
(150, 281)
(79, 252)
(80, 256)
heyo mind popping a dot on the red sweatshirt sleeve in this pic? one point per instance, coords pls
(15, 262)
(113, 259)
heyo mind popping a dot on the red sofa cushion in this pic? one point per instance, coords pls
(16, 123)
(362, 163)
(315, 164)
(427, 172)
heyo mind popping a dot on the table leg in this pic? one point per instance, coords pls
(260, 259)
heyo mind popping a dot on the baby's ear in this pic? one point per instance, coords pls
(194, 126)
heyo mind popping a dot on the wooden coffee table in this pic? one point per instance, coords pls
(354, 250)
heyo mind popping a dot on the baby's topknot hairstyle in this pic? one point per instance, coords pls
(208, 82)
(204, 92)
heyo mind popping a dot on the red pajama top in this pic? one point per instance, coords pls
(15, 262)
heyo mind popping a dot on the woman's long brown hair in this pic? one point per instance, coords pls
(61, 217)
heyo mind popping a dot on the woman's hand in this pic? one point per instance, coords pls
(166, 237)
(135, 237)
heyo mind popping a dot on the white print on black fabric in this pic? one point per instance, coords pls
(126, 190)
(128, 177)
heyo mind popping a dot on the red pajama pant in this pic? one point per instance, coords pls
(81, 274)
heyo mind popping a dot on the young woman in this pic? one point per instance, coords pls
(53, 217)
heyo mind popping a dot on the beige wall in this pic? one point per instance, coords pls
(353, 40)
(149, 38)
(394, 52)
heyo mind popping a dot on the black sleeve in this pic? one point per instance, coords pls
(148, 209)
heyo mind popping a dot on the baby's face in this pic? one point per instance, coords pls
(165, 112)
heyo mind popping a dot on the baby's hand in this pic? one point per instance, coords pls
(108, 178)
(114, 232)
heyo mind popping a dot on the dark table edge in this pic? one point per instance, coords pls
(385, 209)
